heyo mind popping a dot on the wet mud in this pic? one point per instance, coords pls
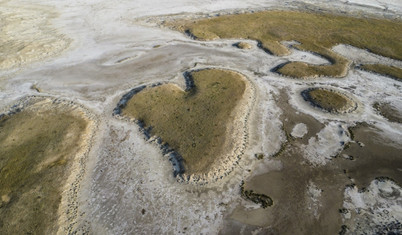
(309, 199)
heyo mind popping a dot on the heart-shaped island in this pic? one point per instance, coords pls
(203, 128)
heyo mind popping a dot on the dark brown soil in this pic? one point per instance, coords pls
(291, 212)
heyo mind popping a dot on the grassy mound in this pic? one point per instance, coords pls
(193, 121)
(329, 100)
(317, 33)
(390, 71)
(389, 112)
(36, 146)
(243, 45)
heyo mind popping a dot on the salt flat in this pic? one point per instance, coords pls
(92, 53)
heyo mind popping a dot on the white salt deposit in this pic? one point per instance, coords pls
(313, 195)
(327, 144)
(299, 130)
(93, 52)
(376, 209)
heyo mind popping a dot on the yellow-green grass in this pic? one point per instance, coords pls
(389, 112)
(317, 32)
(390, 71)
(328, 100)
(36, 146)
(243, 45)
(192, 122)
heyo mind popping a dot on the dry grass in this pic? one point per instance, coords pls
(389, 112)
(243, 45)
(326, 99)
(317, 33)
(192, 122)
(35, 149)
(390, 71)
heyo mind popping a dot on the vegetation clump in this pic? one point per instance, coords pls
(195, 121)
(316, 32)
(329, 100)
(259, 156)
(37, 144)
(243, 45)
(390, 71)
(389, 112)
(257, 198)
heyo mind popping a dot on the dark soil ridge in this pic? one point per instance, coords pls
(263, 200)
(350, 107)
(173, 156)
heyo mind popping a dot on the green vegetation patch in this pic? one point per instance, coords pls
(193, 121)
(317, 33)
(36, 146)
(329, 100)
(390, 71)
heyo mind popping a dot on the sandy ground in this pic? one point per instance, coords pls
(128, 186)
(27, 34)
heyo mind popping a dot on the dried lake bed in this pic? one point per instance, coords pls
(307, 164)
